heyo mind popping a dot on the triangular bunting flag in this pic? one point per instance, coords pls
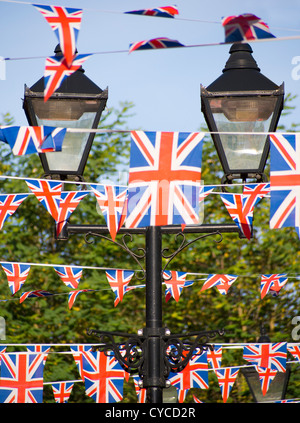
(68, 203)
(154, 43)
(234, 204)
(9, 204)
(272, 283)
(265, 376)
(226, 378)
(16, 275)
(245, 27)
(111, 200)
(65, 22)
(77, 351)
(161, 12)
(118, 281)
(69, 275)
(294, 350)
(175, 282)
(62, 391)
(214, 357)
(74, 294)
(34, 294)
(48, 193)
(221, 282)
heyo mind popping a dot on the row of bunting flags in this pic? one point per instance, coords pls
(66, 23)
(21, 377)
(164, 185)
(120, 279)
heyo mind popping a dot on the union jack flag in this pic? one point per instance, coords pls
(253, 193)
(272, 283)
(240, 214)
(103, 376)
(39, 349)
(16, 275)
(33, 139)
(74, 294)
(226, 378)
(68, 203)
(164, 178)
(271, 356)
(65, 22)
(57, 69)
(118, 281)
(245, 27)
(175, 282)
(194, 375)
(154, 43)
(48, 193)
(285, 181)
(39, 293)
(21, 378)
(62, 391)
(9, 204)
(214, 357)
(294, 350)
(111, 200)
(265, 376)
(77, 351)
(161, 12)
(69, 275)
(221, 282)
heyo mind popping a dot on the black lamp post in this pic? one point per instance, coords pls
(242, 100)
(77, 103)
(278, 386)
(153, 352)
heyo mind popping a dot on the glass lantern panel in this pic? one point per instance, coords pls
(249, 115)
(67, 114)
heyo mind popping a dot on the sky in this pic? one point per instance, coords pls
(163, 85)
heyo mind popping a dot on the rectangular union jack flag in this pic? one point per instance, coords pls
(62, 391)
(226, 378)
(118, 281)
(285, 181)
(33, 139)
(16, 275)
(9, 204)
(272, 283)
(164, 178)
(70, 275)
(154, 43)
(245, 27)
(65, 22)
(112, 201)
(68, 203)
(194, 375)
(175, 282)
(161, 12)
(221, 282)
(48, 193)
(271, 356)
(21, 378)
(103, 376)
(57, 69)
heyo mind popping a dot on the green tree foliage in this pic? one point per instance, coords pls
(28, 236)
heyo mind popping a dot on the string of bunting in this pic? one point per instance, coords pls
(104, 377)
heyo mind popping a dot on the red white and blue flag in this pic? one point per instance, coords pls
(245, 27)
(272, 283)
(39, 293)
(154, 43)
(214, 357)
(68, 203)
(243, 217)
(161, 12)
(77, 351)
(62, 391)
(70, 275)
(294, 350)
(9, 204)
(285, 181)
(65, 22)
(118, 281)
(103, 376)
(175, 282)
(112, 201)
(226, 378)
(16, 275)
(271, 356)
(57, 69)
(164, 178)
(194, 375)
(74, 294)
(265, 376)
(33, 139)
(21, 378)
(48, 193)
(221, 282)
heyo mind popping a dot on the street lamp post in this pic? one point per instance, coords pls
(154, 352)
